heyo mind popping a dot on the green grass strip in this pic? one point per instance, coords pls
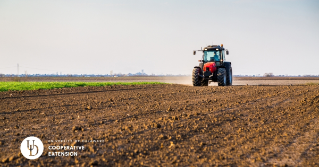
(6, 86)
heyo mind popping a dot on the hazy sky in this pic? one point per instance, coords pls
(158, 36)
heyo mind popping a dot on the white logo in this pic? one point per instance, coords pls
(31, 147)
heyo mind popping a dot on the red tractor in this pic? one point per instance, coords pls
(213, 67)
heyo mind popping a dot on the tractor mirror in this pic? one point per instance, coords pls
(227, 52)
(194, 52)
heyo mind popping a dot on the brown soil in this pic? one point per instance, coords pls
(166, 125)
(276, 78)
(185, 80)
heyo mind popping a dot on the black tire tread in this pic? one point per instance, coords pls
(195, 77)
(228, 75)
(220, 76)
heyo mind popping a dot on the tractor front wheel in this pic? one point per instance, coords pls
(196, 77)
(221, 77)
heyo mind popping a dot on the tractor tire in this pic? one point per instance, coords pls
(221, 77)
(229, 76)
(204, 82)
(196, 78)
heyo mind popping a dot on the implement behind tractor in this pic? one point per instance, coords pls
(213, 67)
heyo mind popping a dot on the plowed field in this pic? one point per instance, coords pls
(165, 125)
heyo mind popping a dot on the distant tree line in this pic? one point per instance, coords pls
(268, 75)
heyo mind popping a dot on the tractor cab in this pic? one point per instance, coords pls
(214, 53)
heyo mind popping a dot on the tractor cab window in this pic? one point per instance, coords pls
(213, 55)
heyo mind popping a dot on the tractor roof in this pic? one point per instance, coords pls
(213, 47)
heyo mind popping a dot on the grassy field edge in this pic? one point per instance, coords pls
(18, 86)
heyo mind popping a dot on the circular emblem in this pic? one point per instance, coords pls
(31, 147)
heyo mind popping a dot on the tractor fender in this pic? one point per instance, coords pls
(199, 68)
(201, 71)
(227, 66)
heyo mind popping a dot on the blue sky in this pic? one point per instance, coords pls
(74, 37)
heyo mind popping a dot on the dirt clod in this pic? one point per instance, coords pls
(12, 158)
(94, 162)
(4, 160)
(75, 128)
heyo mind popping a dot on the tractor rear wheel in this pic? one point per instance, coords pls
(196, 78)
(229, 76)
(221, 77)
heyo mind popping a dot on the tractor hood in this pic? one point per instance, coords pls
(211, 67)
